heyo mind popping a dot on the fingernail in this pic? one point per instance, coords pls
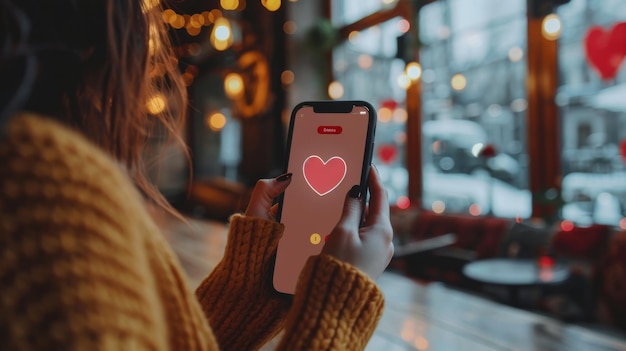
(284, 177)
(355, 192)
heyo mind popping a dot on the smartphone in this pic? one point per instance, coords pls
(329, 150)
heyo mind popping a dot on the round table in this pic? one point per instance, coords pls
(515, 273)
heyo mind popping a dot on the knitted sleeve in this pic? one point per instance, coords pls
(237, 296)
(335, 307)
(74, 271)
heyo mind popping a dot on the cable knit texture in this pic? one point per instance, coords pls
(83, 266)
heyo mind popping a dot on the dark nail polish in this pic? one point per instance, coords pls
(355, 192)
(284, 177)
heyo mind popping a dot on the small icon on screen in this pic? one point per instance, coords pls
(362, 112)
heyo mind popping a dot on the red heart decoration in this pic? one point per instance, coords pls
(324, 176)
(606, 50)
(488, 151)
(387, 153)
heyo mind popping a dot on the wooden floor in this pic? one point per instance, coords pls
(419, 316)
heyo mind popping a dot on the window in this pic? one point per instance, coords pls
(474, 107)
(367, 68)
(592, 103)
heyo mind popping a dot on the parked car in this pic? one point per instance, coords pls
(454, 146)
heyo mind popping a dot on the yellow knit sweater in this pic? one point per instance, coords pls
(83, 267)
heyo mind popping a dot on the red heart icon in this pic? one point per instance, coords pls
(606, 50)
(324, 177)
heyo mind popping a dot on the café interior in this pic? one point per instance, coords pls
(501, 141)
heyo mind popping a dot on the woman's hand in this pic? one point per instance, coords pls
(370, 247)
(261, 203)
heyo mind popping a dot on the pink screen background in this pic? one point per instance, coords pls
(305, 212)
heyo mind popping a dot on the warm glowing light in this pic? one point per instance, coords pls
(156, 104)
(567, 226)
(407, 333)
(290, 27)
(196, 21)
(400, 115)
(229, 4)
(215, 14)
(365, 61)
(403, 202)
(221, 36)
(389, 2)
(475, 210)
(216, 121)
(404, 26)
(193, 31)
(516, 54)
(335, 90)
(385, 114)
(622, 223)
(208, 17)
(404, 81)
(551, 27)
(352, 36)
(438, 206)
(222, 32)
(233, 85)
(177, 22)
(413, 71)
(168, 15)
(271, 5)
(287, 77)
(421, 343)
(458, 82)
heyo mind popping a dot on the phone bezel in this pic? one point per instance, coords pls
(334, 106)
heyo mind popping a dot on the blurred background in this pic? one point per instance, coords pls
(513, 109)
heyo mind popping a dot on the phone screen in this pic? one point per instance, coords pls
(328, 154)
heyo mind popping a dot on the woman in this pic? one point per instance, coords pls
(83, 266)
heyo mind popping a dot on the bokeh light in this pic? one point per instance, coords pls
(551, 27)
(216, 121)
(335, 90)
(458, 82)
(233, 85)
(156, 104)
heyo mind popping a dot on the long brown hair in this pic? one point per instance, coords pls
(98, 63)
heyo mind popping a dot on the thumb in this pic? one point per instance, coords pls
(263, 195)
(351, 215)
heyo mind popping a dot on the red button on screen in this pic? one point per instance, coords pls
(329, 130)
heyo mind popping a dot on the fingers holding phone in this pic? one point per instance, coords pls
(263, 195)
(370, 247)
(329, 149)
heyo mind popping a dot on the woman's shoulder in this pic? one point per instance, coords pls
(41, 157)
(38, 138)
